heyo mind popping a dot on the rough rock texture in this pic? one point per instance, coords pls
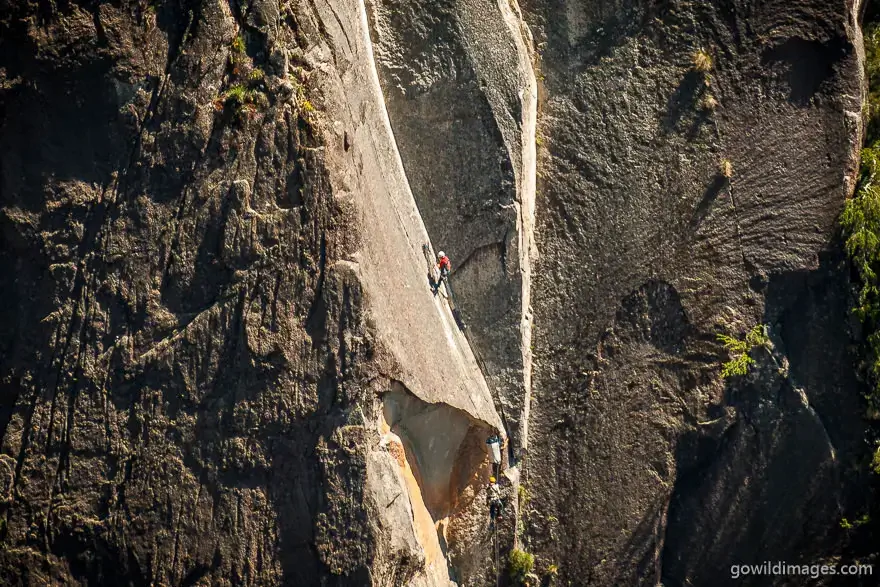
(644, 465)
(220, 362)
(196, 331)
(461, 97)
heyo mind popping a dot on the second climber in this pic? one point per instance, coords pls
(493, 498)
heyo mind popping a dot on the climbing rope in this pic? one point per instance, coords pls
(497, 562)
(478, 356)
(496, 398)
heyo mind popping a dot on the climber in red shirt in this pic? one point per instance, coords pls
(443, 265)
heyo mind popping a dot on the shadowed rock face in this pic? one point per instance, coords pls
(655, 468)
(179, 353)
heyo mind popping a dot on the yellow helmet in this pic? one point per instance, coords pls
(491, 479)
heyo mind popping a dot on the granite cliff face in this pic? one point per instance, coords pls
(461, 95)
(221, 362)
(200, 341)
(677, 474)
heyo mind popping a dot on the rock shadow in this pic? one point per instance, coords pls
(683, 102)
(709, 196)
(807, 64)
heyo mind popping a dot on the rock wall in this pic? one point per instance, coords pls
(645, 466)
(198, 331)
(220, 361)
(461, 97)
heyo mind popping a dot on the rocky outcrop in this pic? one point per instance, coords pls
(461, 96)
(199, 330)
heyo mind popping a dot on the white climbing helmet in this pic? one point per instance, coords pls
(441, 254)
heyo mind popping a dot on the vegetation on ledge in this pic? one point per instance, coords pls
(521, 564)
(739, 350)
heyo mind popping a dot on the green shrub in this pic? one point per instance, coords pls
(847, 525)
(237, 54)
(738, 366)
(739, 350)
(521, 564)
(238, 46)
(860, 222)
(523, 495)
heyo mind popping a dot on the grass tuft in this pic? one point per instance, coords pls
(708, 103)
(240, 99)
(238, 46)
(702, 61)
